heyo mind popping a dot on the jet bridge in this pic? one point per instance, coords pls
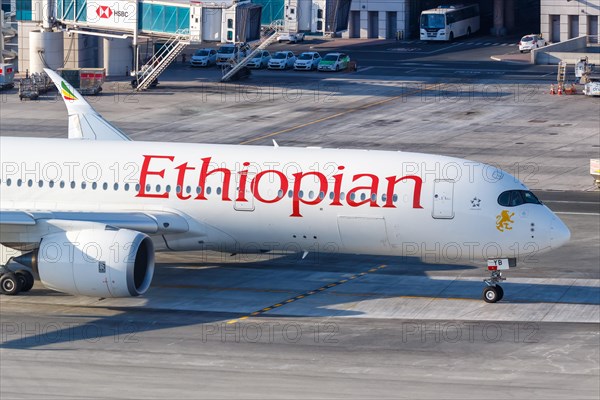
(326, 16)
(137, 24)
(218, 21)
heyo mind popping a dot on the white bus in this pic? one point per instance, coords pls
(449, 22)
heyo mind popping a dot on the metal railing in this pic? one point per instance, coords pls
(262, 45)
(161, 59)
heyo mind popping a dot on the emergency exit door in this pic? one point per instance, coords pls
(443, 203)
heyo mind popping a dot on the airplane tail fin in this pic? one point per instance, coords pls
(84, 122)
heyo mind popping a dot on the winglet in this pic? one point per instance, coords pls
(84, 121)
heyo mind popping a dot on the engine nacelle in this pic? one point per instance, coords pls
(93, 262)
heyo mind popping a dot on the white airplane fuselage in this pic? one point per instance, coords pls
(245, 199)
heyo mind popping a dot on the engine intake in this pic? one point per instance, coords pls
(94, 262)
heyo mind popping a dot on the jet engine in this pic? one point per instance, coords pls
(94, 262)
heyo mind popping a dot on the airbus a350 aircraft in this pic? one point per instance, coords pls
(87, 213)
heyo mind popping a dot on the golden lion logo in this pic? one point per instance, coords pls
(503, 221)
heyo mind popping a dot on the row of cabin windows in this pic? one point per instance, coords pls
(188, 189)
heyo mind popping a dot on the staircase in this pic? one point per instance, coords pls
(265, 41)
(162, 59)
(562, 70)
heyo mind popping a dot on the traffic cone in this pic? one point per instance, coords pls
(552, 89)
(560, 91)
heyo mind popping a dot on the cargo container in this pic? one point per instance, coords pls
(85, 80)
(7, 76)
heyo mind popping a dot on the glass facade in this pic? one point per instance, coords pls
(23, 10)
(272, 10)
(152, 17)
(71, 10)
(162, 18)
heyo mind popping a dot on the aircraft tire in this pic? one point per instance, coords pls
(26, 279)
(10, 284)
(490, 294)
(500, 292)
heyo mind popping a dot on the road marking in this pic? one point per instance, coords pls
(305, 294)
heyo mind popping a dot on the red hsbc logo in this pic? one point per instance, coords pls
(104, 12)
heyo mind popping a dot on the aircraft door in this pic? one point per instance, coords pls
(248, 204)
(443, 204)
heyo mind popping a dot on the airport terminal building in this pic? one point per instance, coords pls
(103, 33)
(563, 20)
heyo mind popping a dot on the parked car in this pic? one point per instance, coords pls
(334, 62)
(231, 51)
(282, 60)
(204, 58)
(307, 61)
(530, 42)
(261, 60)
(290, 37)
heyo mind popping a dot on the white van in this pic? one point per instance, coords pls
(229, 51)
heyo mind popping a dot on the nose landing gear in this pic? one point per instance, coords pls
(493, 292)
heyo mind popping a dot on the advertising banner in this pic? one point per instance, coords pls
(113, 14)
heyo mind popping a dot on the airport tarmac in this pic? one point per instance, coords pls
(329, 326)
(332, 326)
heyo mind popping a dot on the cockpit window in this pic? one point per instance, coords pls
(513, 198)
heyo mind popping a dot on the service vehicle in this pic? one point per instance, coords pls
(7, 76)
(87, 81)
(293, 37)
(231, 52)
(446, 23)
(592, 87)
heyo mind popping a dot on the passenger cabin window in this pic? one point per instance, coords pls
(513, 198)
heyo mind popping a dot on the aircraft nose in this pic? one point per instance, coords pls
(559, 233)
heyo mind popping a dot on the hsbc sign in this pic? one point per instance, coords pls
(121, 15)
(104, 12)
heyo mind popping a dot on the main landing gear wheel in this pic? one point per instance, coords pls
(26, 279)
(493, 294)
(10, 284)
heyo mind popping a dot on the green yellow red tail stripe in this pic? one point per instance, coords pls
(66, 93)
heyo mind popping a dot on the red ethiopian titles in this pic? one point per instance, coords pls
(371, 184)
